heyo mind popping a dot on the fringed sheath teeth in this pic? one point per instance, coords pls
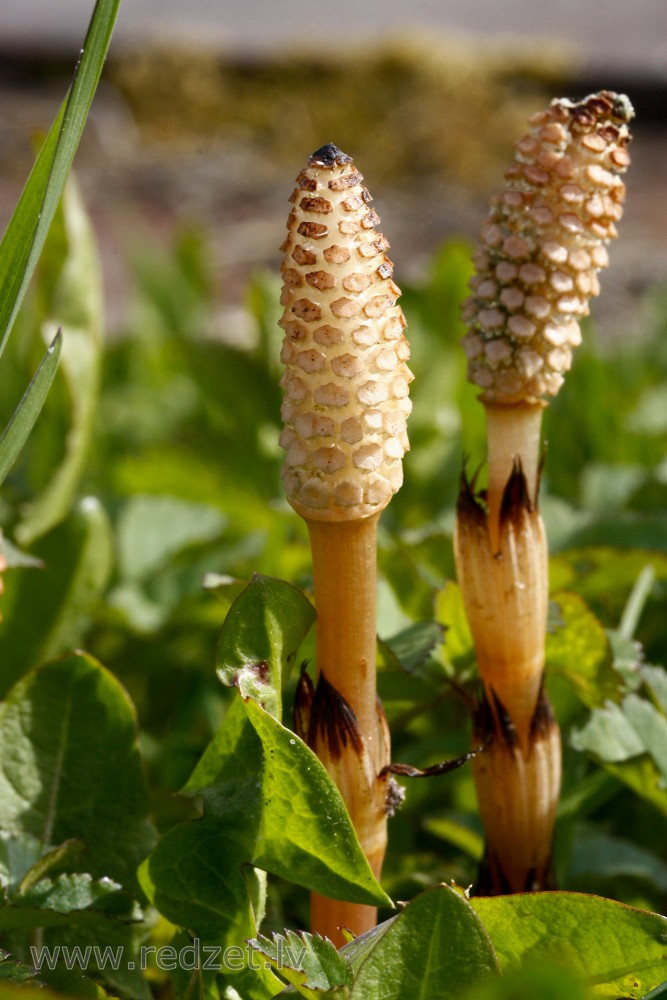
(357, 766)
(518, 791)
(505, 593)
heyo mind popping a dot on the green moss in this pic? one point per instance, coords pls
(408, 108)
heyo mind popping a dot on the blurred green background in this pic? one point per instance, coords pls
(154, 468)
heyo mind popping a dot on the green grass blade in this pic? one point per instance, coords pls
(73, 301)
(26, 413)
(29, 225)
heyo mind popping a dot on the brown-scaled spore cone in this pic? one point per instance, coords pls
(345, 408)
(536, 270)
(543, 245)
(346, 379)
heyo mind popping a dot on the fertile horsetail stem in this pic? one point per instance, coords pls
(542, 247)
(345, 408)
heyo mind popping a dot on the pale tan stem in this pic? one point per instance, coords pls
(345, 579)
(328, 916)
(506, 595)
(513, 433)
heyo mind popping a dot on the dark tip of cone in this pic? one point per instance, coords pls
(623, 109)
(328, 156)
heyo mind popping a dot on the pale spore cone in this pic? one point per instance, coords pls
(543, 245)
(346, 378)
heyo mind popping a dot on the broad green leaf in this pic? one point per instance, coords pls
(458, 834)
(630, 741)
(108, 947)
(307, 961)
(60, 597)
(606, 487)
(76, 307)
(69, 768)
(164, 548)
(650, 415)
(249, 982)
(25, 918)
(459, 650)
(13, 972)
(413, 646)
(625, 530)
(64, 982)
(618, 950)
(579, 652)
(19, 852)
(642, 775)
(358, 948)
(609, 734)
(603, 857)
(545, 981)
(151, 530)
(25, 235)
(14, 991)
(390, 616)
(619, 732)
(304, 815)
(260, 639)
(72, 900)
(434, 948)
(656, 679)
(59, 858)
(652, 724)
(17, 430)
(67, 892)
(69, 765)
(605, 575)
(628, 657)
(194, 876)
(269, 803)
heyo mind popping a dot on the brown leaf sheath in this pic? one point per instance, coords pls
(518, 790)
(506, 594)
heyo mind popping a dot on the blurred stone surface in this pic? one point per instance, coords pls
(610, 35)
(139, 192)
